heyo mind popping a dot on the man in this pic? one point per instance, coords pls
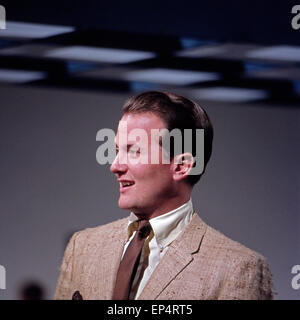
(163, 250)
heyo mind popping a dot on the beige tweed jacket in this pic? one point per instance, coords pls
(201, 263)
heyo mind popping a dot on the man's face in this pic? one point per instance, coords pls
(151, 186)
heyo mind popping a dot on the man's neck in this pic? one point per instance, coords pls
(164, 208)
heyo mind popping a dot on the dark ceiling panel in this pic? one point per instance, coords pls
(240, 21)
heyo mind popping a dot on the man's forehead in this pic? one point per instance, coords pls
(145, 120)
(138, 123)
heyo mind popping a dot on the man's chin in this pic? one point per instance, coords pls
(124, 205)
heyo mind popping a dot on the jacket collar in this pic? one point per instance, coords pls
(111, 261)
(177, 257)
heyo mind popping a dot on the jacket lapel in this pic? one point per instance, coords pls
(109, 257)
(177, 257)
(113, 265)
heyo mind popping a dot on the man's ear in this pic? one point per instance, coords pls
(183, 164)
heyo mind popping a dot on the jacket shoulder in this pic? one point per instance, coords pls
(222, 244)
(242, 272)
(107, 231)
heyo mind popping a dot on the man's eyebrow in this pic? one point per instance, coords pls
(128, 145)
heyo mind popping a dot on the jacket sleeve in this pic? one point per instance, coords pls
(64, 284)
(250, 279)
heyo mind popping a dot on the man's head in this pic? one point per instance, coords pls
(159, 187)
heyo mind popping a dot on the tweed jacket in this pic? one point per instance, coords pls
(201, 263)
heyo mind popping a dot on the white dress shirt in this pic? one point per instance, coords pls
(165, 228)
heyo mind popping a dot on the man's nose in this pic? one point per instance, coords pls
(117, 167)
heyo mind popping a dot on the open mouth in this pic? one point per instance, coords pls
(125, 185)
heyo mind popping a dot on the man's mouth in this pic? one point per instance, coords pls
(125, 185)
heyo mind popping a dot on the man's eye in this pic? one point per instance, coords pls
(134, 151)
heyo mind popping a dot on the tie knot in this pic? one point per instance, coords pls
(144, 228)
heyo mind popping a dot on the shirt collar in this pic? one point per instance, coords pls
(166, 227)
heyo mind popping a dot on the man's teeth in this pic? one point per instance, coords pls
(125, 184)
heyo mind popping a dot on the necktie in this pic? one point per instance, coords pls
(129, 263)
